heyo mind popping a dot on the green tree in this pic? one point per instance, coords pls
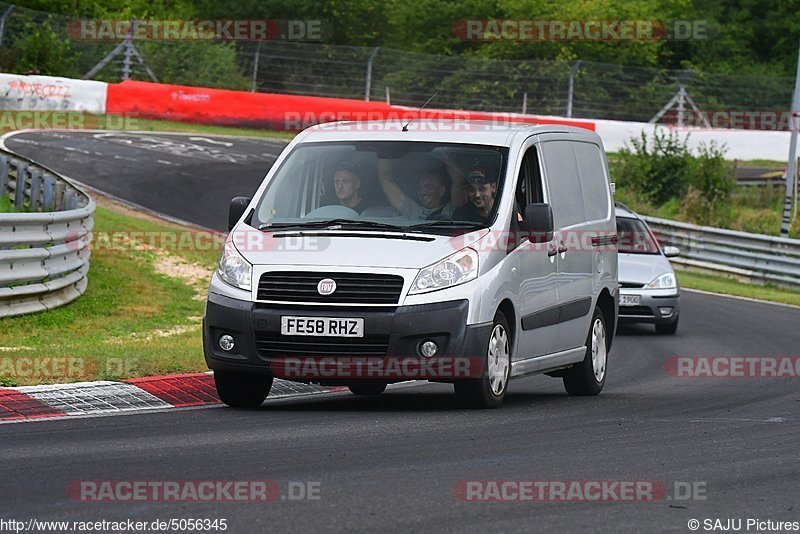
(44, 52)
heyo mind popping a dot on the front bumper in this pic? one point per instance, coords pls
(394, 333)
(651, 303)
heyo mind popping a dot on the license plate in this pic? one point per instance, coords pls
(629, 300)
(322, 326)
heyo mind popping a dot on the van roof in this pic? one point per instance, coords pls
(438, 130)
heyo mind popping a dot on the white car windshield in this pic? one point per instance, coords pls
(438, 187)
(635, 237)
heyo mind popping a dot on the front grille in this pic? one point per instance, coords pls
(630, 285)
(635, 310)
(275, 345)
(351, 288)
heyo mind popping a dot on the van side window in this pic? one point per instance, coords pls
(594, 182)
(563, 178)
(529, 184)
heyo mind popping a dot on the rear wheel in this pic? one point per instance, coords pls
(242, 390)
(589, 376)
(490, 390)
(667, 328)
(368, 388)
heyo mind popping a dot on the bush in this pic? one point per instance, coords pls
(44, 52)
(663, 169)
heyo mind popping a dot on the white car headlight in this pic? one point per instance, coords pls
(453, 270)
(665, 281)
(233, 269)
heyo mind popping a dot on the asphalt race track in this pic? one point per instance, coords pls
(391, 463)
(191, 177)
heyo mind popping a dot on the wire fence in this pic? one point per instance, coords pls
(580, 89)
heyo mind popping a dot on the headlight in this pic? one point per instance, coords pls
(665, 281)
(453, 270)
(233, 269)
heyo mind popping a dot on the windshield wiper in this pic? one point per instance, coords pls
(445, 224)
(329, 223)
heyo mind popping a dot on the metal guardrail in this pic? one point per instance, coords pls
(760, 258)
(44, 246)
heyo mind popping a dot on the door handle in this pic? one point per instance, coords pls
(551, 250)
(562, 248)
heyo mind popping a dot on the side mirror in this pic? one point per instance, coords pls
(236, 210)
(671, 252)
(538, 220)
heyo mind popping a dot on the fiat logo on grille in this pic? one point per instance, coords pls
(326, 286)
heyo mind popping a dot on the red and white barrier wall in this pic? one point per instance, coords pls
(46, 93)
(296, 112)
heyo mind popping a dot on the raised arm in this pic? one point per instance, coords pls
(458, 186)
(390, 188)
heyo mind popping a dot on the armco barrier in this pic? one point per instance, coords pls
(760, 258)
(44, 253)
(48, 93)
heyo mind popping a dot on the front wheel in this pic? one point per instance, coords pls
(589, 376)
(242, 390)
(489, 390)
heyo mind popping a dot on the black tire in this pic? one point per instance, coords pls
(667, 328)
(367, 388)
(477, 392)
(242, 390)
(581, 379)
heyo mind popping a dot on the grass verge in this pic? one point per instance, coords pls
(141, 313)
(6, 206)
(732, 286)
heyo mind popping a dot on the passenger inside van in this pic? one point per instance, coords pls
(440, 188)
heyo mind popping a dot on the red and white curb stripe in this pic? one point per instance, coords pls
(83, 399)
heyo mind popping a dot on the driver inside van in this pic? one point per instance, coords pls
(347, 185)
(435, 178)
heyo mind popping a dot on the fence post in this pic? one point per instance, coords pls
(388, 96)
(524, 102)
(255, 67)
(3, 22)
(58, 203)
(3, 175)
(368, 86)
(36, 189)
(49, 194)
(19, 192)
(571, 89)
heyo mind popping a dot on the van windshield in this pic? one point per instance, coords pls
(403, 185)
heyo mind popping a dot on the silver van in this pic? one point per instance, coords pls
(381, 252)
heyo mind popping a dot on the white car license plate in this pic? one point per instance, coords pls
(322, 326)
(629, 300)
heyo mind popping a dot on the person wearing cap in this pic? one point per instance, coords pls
(346, 183)
(481, 190)
(435, 176)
